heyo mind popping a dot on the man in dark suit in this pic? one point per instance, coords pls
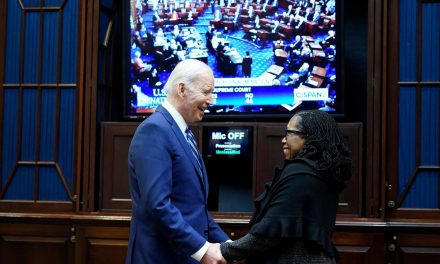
(246, 66)
(168, 183)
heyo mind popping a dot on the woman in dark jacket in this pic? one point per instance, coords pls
(295, 216)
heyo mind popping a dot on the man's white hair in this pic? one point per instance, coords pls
(187, 72)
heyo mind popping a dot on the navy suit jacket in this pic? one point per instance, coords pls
(169, 192)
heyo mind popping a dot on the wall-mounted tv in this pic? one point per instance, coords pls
(269, 57)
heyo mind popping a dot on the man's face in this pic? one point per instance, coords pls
(197, 99)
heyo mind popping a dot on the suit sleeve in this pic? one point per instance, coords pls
(249, 246)
(152, 162)
(216, 234)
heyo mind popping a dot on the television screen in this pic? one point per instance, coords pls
(269, 57)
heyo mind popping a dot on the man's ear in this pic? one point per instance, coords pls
(181, 89)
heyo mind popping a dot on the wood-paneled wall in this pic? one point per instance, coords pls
(103, 238)
(116, 137)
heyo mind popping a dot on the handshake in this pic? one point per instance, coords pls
(214, 255)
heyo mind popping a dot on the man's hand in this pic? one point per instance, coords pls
(213, 255)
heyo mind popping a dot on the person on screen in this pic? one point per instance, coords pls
(289, 10)
(306, 52)
(174, 16)
(316, 15)
(297, 11)
(246, 4)
(174, 45)
(264, 9)
(142, 69)
(217, 15)
(284, 17)
(176, 31)
(295, 216)
(295, 62)
(275, 29)
(308, 15)
(210, 33)
(154, 79)
(291, 20)
(165, 4)
(294, 46)
(246, 66)
(168, 183)
(276, 16)
(139, 42)
(156, 16)
(220, 48)
(329, 40)
(304, 4)
(300, 24)
(330, 9)
(236, 18)
(330, 53)
(257, 22)
(170, 58)
(303, 72)
(293, 80)
(251, 13)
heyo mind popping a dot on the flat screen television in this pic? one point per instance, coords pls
(270, 58)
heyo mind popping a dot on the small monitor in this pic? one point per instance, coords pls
(227, 141)
(227, 153)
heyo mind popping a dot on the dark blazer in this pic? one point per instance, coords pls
(169, 192)
(293, 219)
(247, 66)
(297, 204)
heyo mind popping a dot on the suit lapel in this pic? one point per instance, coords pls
(201, 173)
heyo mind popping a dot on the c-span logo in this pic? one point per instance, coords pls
(310, 94)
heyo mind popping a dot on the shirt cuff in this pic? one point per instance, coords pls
(201, 252)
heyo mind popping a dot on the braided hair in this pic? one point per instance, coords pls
(325, 144)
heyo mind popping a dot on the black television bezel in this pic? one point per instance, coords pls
(340, 112)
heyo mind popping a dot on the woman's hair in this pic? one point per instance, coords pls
(325, 144)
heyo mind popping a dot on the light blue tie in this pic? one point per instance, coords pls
(193, 145)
